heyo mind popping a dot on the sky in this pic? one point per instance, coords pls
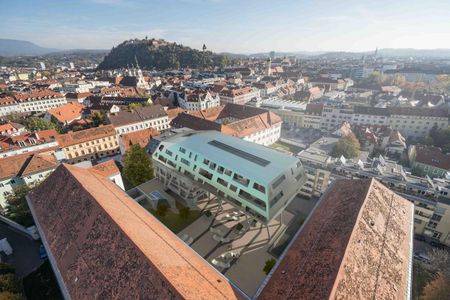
(238, 26)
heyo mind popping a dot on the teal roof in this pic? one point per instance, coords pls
(251, 160)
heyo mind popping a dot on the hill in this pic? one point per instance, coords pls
(9, 47)
(159, 55)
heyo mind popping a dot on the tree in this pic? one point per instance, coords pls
(138, 105)
(347, 146)
(185, 212)
(138, 166)
(6, 269)
(98, 119)
(440, 261)
(36, 124)
(437, 289)
(161, 209)
(270, 263)
(17, 207)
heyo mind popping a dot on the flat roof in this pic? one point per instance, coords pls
(251, 160)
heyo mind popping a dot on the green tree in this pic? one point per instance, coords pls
(138, 166)
(10, 296)
(6, 269)
(270, 263)
(10, 283)
(17, 207)
(162, 208)
(185, 212)
(347, 146)
(138, 105)
(36, 123)
(98, 119)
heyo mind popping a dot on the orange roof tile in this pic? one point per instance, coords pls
(356, 244)
(140, 137)
(106, 168)
(81, 136)
(106, 246)
(67, 112)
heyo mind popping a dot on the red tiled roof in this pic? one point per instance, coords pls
(432, 156)
(106, 168)
(355, 245)
(81, 136)
(106, 246)
(26, 164)
(36, 95)
(140, 137)
(67, 112)
(249, 119)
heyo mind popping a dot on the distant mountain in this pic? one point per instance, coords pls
(9, 47)
(159, 55)
(409, 52)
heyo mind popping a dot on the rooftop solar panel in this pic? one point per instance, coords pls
(245, 155)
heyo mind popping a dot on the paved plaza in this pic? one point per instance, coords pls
(239, 255)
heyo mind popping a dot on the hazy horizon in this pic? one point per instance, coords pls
(232, 26)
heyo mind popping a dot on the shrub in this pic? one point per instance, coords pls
(270, 263)
(6, 269)
(9, 283)
(161, 209)
(185, 212)
(239, 227)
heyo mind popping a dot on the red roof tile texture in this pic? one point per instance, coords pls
(85, 135)
(356, 245)
(106, 246)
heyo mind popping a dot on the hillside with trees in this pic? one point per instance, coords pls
(154, 54)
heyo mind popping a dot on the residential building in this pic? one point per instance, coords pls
(415, 122)
(141, 138)
(313, 115)
(428, 161)
(335, 116)
(257, 180)
(153, 116)
(43, 141)
(239, 95)
(367, 226)
(65, 114)
(249, 123)
(40, 101)
(198, 100)
(317, 182)
(88, 144)
(8, 106)
(117, 235)
(370, 116)
(24, 169)
(12, 129)
(108, 169)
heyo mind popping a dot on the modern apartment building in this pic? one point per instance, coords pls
(257, 180)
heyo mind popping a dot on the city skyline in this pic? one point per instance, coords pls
(229, 26)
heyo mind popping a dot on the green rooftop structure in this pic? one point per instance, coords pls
(258, 180)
